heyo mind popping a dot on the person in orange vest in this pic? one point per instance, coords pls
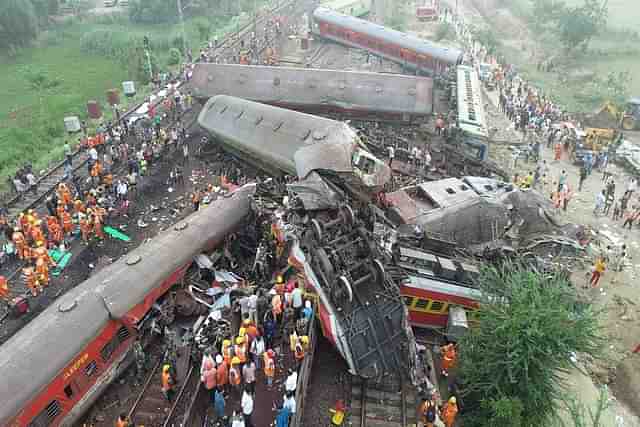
(235, 377)
(449, 357)
(23, 221)
(427, 412)
(252, 331)
(64, 195)
(5, 294)
(97, 226)
(19, 242)
(67, 222)
(276, 305)
(449, 412)
(42, 272)
(85, 228)
(168, 382)
(55, 232)
(227, 351)
(41, 252)
(299, 353)
(30, 280)
(222, 372)
(122, 421)
(60, 210)
(240, 351)
(36, 232)
(269, 366)
(78, 207)
(208, 373)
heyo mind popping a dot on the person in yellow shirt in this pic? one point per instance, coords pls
(598, 270)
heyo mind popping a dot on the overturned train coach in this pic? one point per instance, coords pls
(285, 142)
(407, 50)
(350, 94)
(56, 366)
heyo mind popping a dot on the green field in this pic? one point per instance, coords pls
(576, 83)
(81, 77)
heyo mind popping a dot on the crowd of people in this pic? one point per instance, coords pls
(118, 160)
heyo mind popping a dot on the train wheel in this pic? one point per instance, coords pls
(317, 229)
(325, 265)
(345, 286)
(379, 271)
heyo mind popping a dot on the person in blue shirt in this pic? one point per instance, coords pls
(218, 403)
(307, 311)
(282, 419)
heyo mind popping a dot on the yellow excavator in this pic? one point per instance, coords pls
(609, 116)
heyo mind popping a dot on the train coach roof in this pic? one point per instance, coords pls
(449, 55)
(354, 90)
(276, 134)
(46, 345)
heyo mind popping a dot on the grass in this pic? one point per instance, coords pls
(82, 78)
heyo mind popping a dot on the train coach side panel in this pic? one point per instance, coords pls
(313, 90)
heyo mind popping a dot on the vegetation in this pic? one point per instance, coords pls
(578, 25)
(61, 63)
(444, 31)
(529, 325)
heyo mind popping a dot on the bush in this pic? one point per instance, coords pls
(444, 31)
(175, 57)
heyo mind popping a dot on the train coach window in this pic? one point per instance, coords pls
(421, 304)
(108, 349)
(68, 391)
(47, 416)
(123, 334)
(437, 306)
(91, 368)
(408, 300)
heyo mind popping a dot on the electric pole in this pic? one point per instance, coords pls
(184, 33)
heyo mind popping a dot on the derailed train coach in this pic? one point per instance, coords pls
(350, 94)
(285, 142)
(55, 367)
(410, 51)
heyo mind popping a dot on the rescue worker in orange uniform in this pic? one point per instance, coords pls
(67, 223)
(60, 210)
(276, 306)
(240, 351)
(41, 252)
(23, 221)
(55, 231)
(168, 382)
(122, 421)
(97, 226)
(227, 351)
(235, 377)
(299, 353)
(36, 232)
(78, 207)
(222, 372)
(449, 357)
(42, 272)
(19, 242)
(5, 294)
(269, 366)
(85, 228)
(30, 280)
(64, 195)
(449, 412)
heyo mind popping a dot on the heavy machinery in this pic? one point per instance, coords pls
(631, 116)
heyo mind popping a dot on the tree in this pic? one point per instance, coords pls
(204, 28)
(528, 327)
(545, 15)
(578, 25)
(153, 11)
(18, 24)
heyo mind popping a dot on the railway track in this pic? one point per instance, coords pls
(389, 403)
(48, 182)
(152, 409)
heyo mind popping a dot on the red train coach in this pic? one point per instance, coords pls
(434, 284)
(56, 366)
(408, 50)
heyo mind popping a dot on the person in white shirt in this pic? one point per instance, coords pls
(237, 420)
(93, 154)
(291, 382)
(296, 300)
(290, 402)
(392, 153)
(247, 407)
